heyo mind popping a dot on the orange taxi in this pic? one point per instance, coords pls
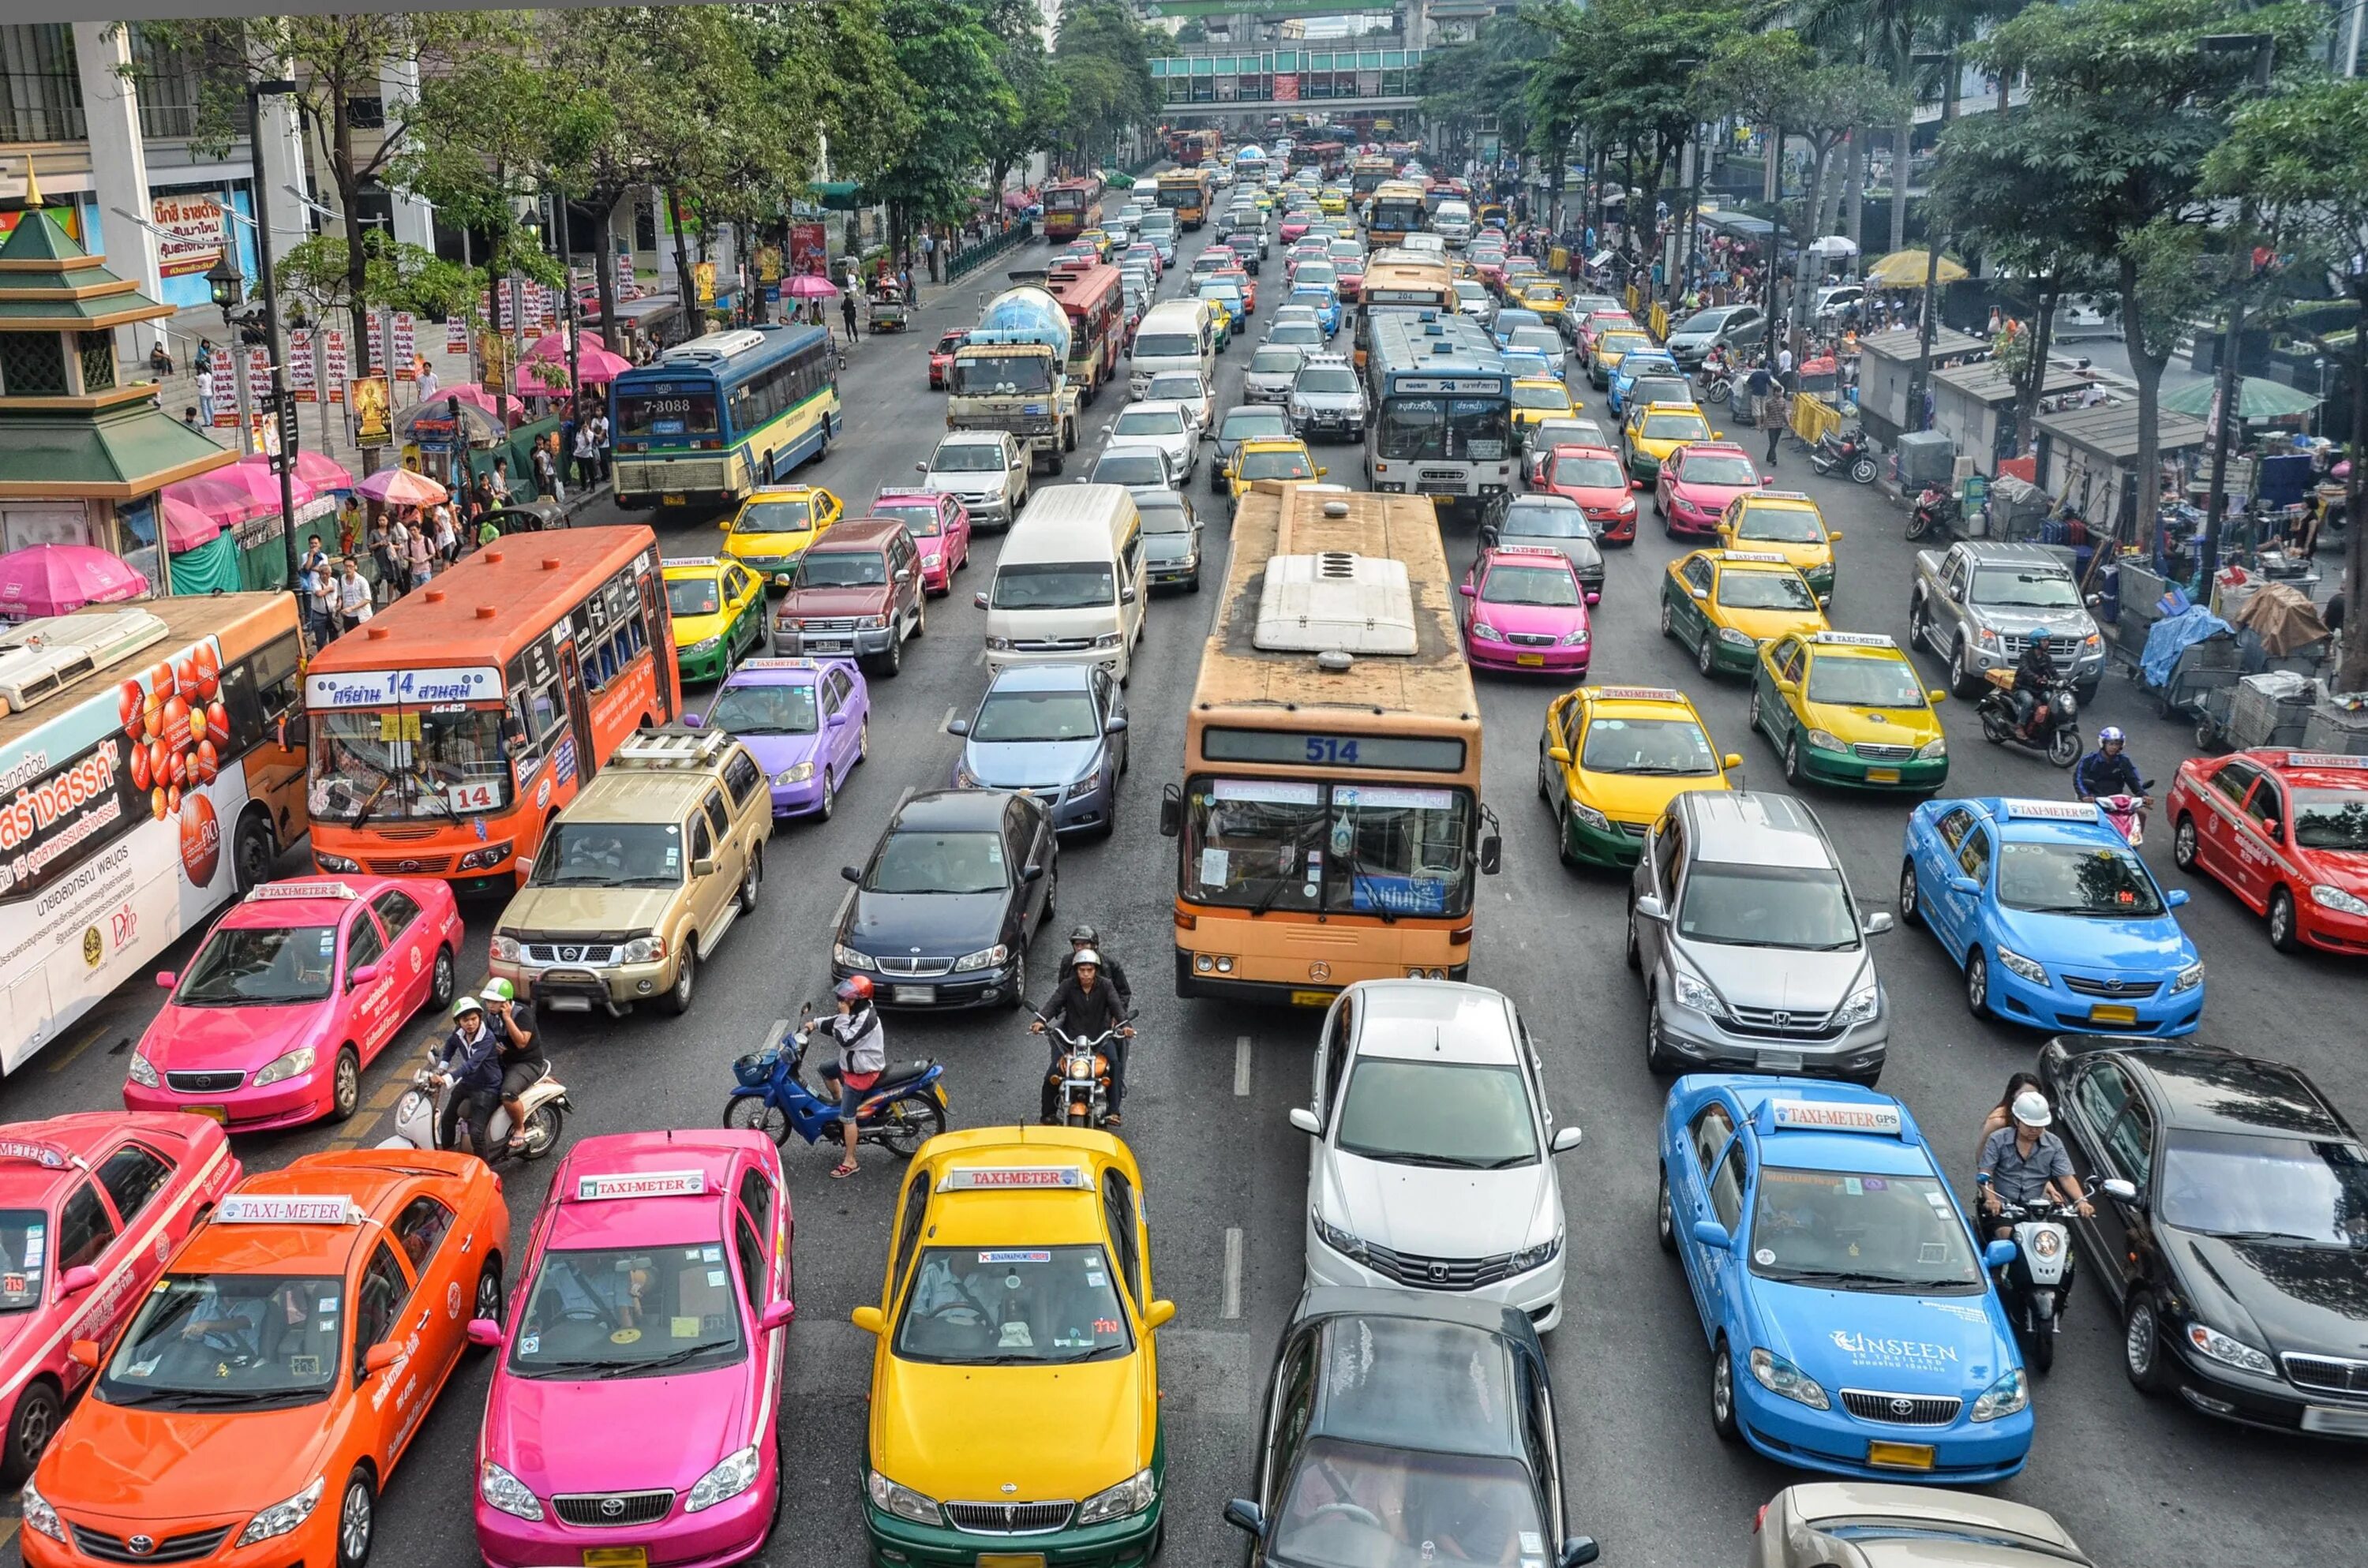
(275, 1374)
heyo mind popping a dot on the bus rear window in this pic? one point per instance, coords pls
(644, 416)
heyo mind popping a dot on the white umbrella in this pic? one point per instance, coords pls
(1833, 244)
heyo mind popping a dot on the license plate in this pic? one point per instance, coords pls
(1010, 1560)
(1883, 775)
(1529, 658)
(1311, 998)
(616, 1557)
(2113, 1015)
(1780, 1060)
(939, 1090)
(818, 645)
(1901, 1456)
(565, 1003)
(664, 500)
(1437, 487)
(2328, 1418)
(914, 994)
(210, 1112)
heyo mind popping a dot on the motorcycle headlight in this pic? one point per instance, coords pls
(2189, 978)
(796, 774)
(648, 948)
(847, 958)
(726, 1481)
(2230, 1350)
(2009, 1395)
(1588, 816)
(2030, 969)
(1824, 740)
(1779, 1375)
(1695, 992)
(141, 1072)
(502, 1490)
(1536, 1256)
(985, 958)
(285, 1066)
(1107, 640)
(902, 1501)
(1485, 633)
(281, 1517)
(1126, 1499)
(2336, 899)
(2068, 704)
(1932, 751)
(704, 645)
(507, 950)
(40, 1516)
(1349, 1246)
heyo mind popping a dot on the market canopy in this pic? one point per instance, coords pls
(2258, 397)
(1906, 270)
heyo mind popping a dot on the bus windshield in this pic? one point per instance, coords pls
(1430, 429)
(1272, 844)
(391, 765)
(642, 416)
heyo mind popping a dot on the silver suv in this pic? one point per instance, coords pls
(1753, 951)
(1326, 400)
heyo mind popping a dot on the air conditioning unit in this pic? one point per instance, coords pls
(1354, 604)
(40, 658)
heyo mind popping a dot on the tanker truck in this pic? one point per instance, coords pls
(1012, 373)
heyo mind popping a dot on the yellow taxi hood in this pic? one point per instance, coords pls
(1896, 726)
(964, 1433)
(1760, 625)
(1639, 797)
(690, 629)
(1816, 553)
(756, 542)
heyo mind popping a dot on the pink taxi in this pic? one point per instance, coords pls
(91, 1205)
(1524, 609)
(295, 992)
(655, 1302)
(1696, 483)
(939, 525)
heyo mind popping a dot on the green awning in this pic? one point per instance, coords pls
(2258, 397)
(841, 195)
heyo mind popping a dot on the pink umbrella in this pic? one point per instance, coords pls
(812, 285)
(553, 345)
(261, 486)
(599, 366)
(318, 470)
(186, 526)
(470, 391)
(55, 579)
(216, 496)
(401, 487)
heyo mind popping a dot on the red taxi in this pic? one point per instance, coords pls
(1691, 492)
(1592, 477)
(1595, 323)
(1241, 279)
(91, 1205)
(2287, 830)
(295, 992)
(941, 358)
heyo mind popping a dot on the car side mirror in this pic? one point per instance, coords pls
(1558, 753)
(1306, 1121)
(1492, 855)
(1966, 885)
(869, 1320)
(850, 873)
(703, 867)
(1116, 726)
(1032, 872)
(485, 1333)
(1938, 694)
(86, 1353)
(1126, 596)
(1650, 907)
(77, 1279)
(1158, 1313)
(838, 720)
(2114, 1187)
(920, 468)
(1593, 598)
(1243, 1515)
(379, 1357)
(1997, 1254)
(167, 978)
(364, 975)
(1712, 1234)
(1565, 1140)
(978, 600)
(957, 726)
(1580, 1551)
(2177, 897)
(904, 575)
(691, 720)
(1322, 471)
(1700, 592)
(777, 1314)
(1833, 536)
(1467, 589)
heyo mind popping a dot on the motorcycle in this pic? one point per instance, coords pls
(1082, 1068)
(420, 1112)
(1718, 386)
(2033, 1287)
(1935, 508)
(2054, 730)
(2127, 813)
(903, 1111)
(1854, 452)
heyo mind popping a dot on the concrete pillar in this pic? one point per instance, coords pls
(414, 221)
(119, 166)
(284, 163)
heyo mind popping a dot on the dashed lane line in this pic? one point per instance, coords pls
(1241, 1066)
(1231, 1305)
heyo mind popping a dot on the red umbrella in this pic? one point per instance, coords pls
(812, 285)
(57, 579)
(261, 486)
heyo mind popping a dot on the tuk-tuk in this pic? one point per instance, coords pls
(890, 310)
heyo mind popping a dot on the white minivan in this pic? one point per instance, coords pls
(1176, 335)
(1452, 222)
(1069, 586)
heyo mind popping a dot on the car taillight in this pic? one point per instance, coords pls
(1758, 1518)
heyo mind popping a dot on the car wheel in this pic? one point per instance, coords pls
(1665, 1217)
(863, 738)
(1963, 681)
(1977, 984)
(1754, 718)
(750, 878)
(2283, 935)
(1656, 1057)
(892, 662)
(1705, 651)
(488, 1302)
(345, 1085)
(1909, 914)
(1793, 760)
(829, 806)
(680, 995)
(1019, 997)
(1668, 626)
(921, 616)
(440, 981)
(357, 1519)
(2184, 842)
(1722, 1395)
(30, 1427)
(2142, 1352)
(1636, 952)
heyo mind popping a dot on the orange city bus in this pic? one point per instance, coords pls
(1329, 822)
(1093, 296)
(1186, 193)
(1071, 206)
(450, 728)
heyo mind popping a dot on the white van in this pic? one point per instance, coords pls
(1176, 335)
(1069, 586)
(1452, 222)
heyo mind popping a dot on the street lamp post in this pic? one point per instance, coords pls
(227, 286)
(2228, 399)
(256, 93)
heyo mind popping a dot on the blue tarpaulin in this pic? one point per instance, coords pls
(2171, 635)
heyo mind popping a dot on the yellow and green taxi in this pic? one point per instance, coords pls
(1610, 760)
(1015, 1387)
(1537, 399)
(718, 606)
(1344, 228)
(1265, 200)
(1275, 459)
(1332, 201)
(774, 526)
(1727, 604)
(1604, 354)
(1848, 708)
(1098, 240)
(1654, 430)
(1222, 314)
(1547, 298)
(1788, 523)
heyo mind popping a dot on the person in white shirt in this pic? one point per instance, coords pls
(447, 543)
(353, 594)
(427, 380)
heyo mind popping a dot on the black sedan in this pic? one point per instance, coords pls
(1402, 1428)
(2232, 1227)
(1550, 522)
(943, 913)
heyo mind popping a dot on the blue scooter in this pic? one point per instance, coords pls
(903, 1111)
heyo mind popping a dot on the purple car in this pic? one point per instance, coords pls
(805, 720)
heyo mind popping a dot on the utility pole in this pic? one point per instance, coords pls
(2227, 399)
(256, 93)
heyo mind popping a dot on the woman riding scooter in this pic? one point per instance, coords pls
(862, 1057)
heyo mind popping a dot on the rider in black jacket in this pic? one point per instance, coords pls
(2107, 770)
(1084, 1005)
(2033, 674)
(1084, 938)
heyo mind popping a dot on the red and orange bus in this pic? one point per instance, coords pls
(1095, 298)
(448, 730)
(1072, 206)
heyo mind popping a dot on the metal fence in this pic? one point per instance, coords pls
(973, 257)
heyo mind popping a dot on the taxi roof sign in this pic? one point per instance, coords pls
(34, 1152)
(2326, 759)
(310, 887)
(1801, 497)
(1836, 1116)
(770, 663)
(285, 1209)
(1018, 1178)
(674, 560)
(1854, 640)
(640, 1184)
(2052, 811)
(1753, 555)
(1637, 694)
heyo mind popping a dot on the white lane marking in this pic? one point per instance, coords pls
(1232, 1306)
(1241, 1066)
(948, 719)
(980, 657)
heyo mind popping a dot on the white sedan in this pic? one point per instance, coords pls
(1187, 387)
(1165, 426)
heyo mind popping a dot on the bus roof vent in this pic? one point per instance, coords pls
(712, 348)
(1335, 602)
(39, 658)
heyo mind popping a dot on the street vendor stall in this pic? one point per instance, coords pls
(1973, 406)
(1886, 371)
(2087, 455)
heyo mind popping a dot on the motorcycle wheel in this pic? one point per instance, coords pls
(543, 1130)
(904, 1125)
(1919, 523)
(2064, 747)
(1862, 472)
(1994, 729)
(756, 1114)
(2041, 1351)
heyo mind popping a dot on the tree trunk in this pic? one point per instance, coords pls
(1815, 221)
(1902, 146)
(2146, 369)
(602, 207)
(1854, 185)
(686, 282)
(2352, 674)
(2034, 377)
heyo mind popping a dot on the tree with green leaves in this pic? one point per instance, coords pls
(1103, 59)
(1039, 107)
(944, 47)
(1464, 84)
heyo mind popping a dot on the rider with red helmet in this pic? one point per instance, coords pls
(862, 1057)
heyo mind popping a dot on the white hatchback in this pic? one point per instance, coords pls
(1169, 427)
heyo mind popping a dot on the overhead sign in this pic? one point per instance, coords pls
(640, 1184)
(385, 688)
(1836, 1116)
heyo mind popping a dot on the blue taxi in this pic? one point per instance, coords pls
(806, 721)
(2055, 921)
(1852, 1324)
(1634, 363)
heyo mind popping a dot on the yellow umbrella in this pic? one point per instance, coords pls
(1904, 269)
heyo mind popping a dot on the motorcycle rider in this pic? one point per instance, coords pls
(862, 1058)
(1084, 937)
(2034, 675)
(512, 1022)
(1084, 1005)
(2023, 1163)
(2109, 770)
(469, 1060)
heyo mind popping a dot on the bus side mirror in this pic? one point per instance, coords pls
(1492, 855)
(1171, 812)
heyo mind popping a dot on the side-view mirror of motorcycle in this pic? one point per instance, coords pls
(1877, 923)
(485, 1333)
(2114, 1187)
(1306, 1121)
(1997, 1255)
(1966, 885)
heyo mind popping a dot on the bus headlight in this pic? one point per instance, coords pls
(482, 859)
(328, 862)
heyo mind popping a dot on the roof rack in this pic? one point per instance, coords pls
(661, 749)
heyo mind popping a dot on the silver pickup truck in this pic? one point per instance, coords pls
(1976, 603)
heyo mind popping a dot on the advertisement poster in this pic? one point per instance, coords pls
(302, 373)
(258, 377)
(629, 286)
(546, 307)
(456, 335)
(809, 249)
(406, 347)
(367, 396)
(494, 357)
(225, 393)
(336, 367)
(376, 326)
(192, 230)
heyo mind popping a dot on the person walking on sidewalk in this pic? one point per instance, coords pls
(587, 453)
(203, 365)
(426, 381)
(353, 595)
(546, 473)
(847, 312)
(423, 554)
(442, 536)
(930, 251)
(381, 548)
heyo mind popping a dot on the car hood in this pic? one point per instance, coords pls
(1934, 1346)
(1436, 1212)
(1640, 797)
(1804, 983)
(2154, 948)
(1763, 625)
(931, 923)
(690, 629)
(189, 1040)
(2335, 867)
(966, 484)
(2016, 621)
(1710, 498)
(1329, 400)
(769, 546)
(1691, 339)
(2290, 1296)
(224, 1465)
(1085, 1428)
(774, 753)
(836, 601)
(1029, 765)
(562, 1437)
(1875, 726)
(1558, 620)
(588, 909)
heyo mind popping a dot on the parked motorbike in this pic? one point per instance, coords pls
(1083, 1067)
(2127, 813)
(2033, 1287)
(1852, 451)
(420, 1112)
(1935, 508)
(903, 1111)
(2055, 730)
(1718, 386)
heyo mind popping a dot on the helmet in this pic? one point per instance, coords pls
(2110, 734)
(1085, 956)
(466, 1006)
(1085, 933)
(854, 988)
(499, 990)
(2039, 635)
(2031, 1108)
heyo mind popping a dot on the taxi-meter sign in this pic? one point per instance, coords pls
(640, 1184)
(284, 1209)
(1836, 1116)
(1017, 1179)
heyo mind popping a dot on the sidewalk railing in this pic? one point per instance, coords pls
(971, 258)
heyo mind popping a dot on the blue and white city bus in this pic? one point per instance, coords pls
(721, 416)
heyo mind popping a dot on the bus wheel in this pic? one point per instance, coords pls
(252, 852)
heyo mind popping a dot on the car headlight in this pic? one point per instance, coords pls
(502, 1490)
(1126, 1499)
(2028, 969)
(1089, 784)
(336, 863)
(40, 1516)
(998, 645)
(2230, 1350)
(704, 645)
(735, 1475)
(1988, 638)
(1861, 1006)
(2010, 1395)
(963, 778)
(870, 622)
(2093, 643)
(1588, 816)
(2189, 978)
(1730, 635)
(1536, 1256)
(788, 622)
(1825, 739)
(1575, 638)
(507, 950)
(281, 1517)
(1485, 633)
(902, 1501)
(647, 948)
(985, 958)
(797, 774)
(1351, 1247)
(932, 559)
(847, 958)
(1107, 640)
(141, 1072)
(1695, 992)
(2335, 898)
(285, 1066)
(1779, 1375)
(1300, 409)
(1932, 751)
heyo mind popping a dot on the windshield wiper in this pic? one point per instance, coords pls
(1860, 1278)
(1657, 771)
(2274, 1236)
(673, 1358)
(562, 1368)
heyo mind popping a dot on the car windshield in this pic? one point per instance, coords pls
(1019, 716)
(1271, 843)
(1275, 465)
(1780, 524)
(764, 710)
(601, 1312)
(1019, 1306)
(1165, 345)
(1312, 272)
(1865, 683)
(1254, 425)
(1674, 427)
(258, 966)
(967, 457)
(1473, 1116)
(1175, 388)
(1527, 518)
(841, 569)
(1548, 396)
(1135, 465)
(1717, 467)
(1141, 421)
(1298, 333)
(1513, 317)
(1162, 518)
(1673, 746)
(1528, 364)
(1764, 590)
(1641, 363)
(414, 764)
(2246, 1185)
(693, 596)
(920, 518)
(1801, 908)
(2075, 878)
(773, 517)
(1359, 1505)
(222, 1341)
(2330, 819)
(1849, 1230)
(24, 1257)
(601, 854)
(1703, 320)
(1589, 473)
(917, 860)
(1660, 389)
(1548, 586)
(2008, 588)
(1327, 381)
(1001, 375)
(1538, 339)
(1062, 586)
